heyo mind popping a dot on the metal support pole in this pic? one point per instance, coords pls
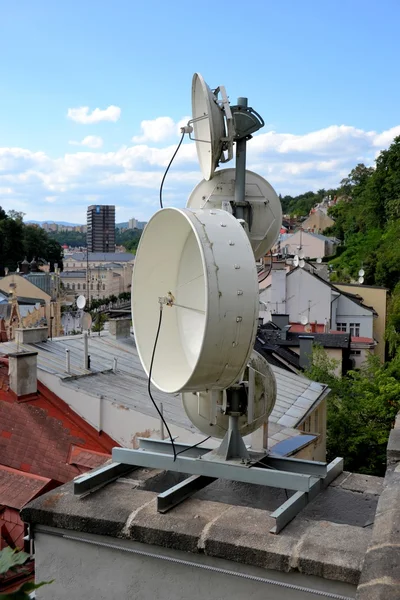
(162, 432)
(85, 351)
(115, 365)
(240, 176)
(67, 362)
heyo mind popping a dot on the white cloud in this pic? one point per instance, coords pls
(385, 138)
(57, 188)
(91, 141)
(159, 130)
(82, 114)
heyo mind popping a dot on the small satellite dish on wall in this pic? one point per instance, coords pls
(265, 207)
(86, 321)
(302, 263)
(303, 319)
(210, 129)
(296, 261)
(361, 273)
(81, 302)
(319, 260)
(204, 279)
(361, 280)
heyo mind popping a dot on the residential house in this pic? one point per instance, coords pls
(281, 344)
(311, 245)
(104, 281)
(317, 221)
(375, 297)
(28, 294)
(106, 274)
(309, 300)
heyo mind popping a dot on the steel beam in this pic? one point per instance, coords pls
(165, 447)
(296, 465)
(96, 479)
(219, 470)
(181, 492)
(289, 509)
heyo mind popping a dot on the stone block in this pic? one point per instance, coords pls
(332, 551)
(243, 535)
(180, 529)
(393, 447)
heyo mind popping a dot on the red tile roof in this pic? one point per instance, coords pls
(299, 328)
(362, 340)
(36, 436)
(87, 458)
(17, 488)
(11, 528)
(42, 443)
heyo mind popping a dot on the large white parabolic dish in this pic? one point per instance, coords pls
(208, 125)
(266, 209)
(204, 261)
(201, 412)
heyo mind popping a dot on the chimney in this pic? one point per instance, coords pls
(120, 328)
(278, 290)
(25, 266)
(31, 335)
(306, 344)
(23, 373)
(280, 320)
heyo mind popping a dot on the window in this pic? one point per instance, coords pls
(84, 286)
(355, 353)
(91, 286)
(73, 286)
(79, 286)
(68, 285)
(355, 329)
(341, 326)
(104, 287)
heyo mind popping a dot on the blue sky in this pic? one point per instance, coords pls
(324, 75)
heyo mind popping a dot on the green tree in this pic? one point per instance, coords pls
(10, 560)
(99, 320)
(392, 333)
(362, 408)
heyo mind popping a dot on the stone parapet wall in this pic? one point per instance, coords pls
(380, 577)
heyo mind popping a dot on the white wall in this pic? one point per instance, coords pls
(307, 296)
(122, 424)
(312, 246)
(351, 312)
(83, 570)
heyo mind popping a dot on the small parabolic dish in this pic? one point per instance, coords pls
(203, 262)
(319, 260)
(266, 210)
(304, 320)
(211, 421)
(361, 280)
(86, 321)
(302, 263)
(208, 125)
(296, 261)
(361, 272)
(81, 302)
